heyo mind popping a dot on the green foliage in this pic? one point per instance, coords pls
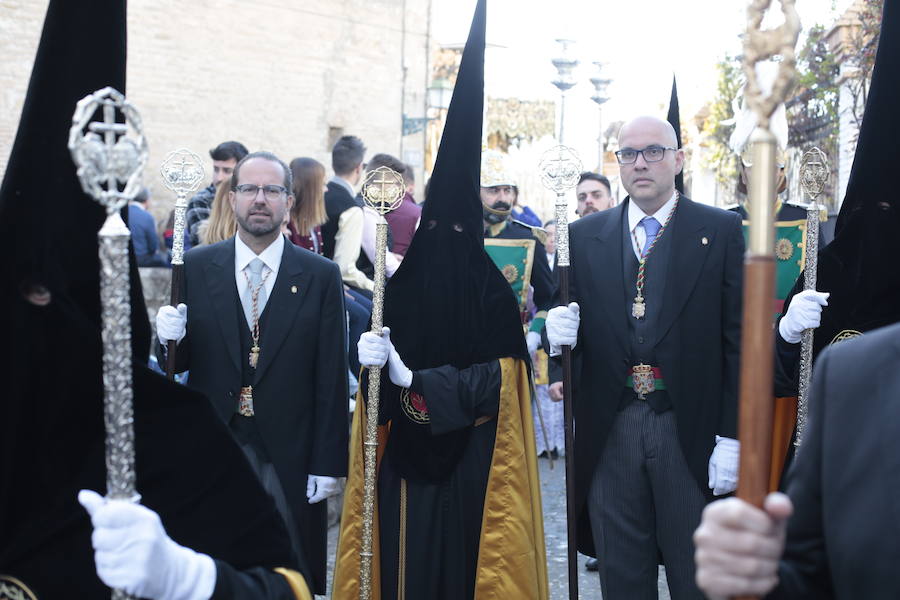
(813, 111)
(719, 158)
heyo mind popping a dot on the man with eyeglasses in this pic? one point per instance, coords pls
(262, 331)
(655, 325)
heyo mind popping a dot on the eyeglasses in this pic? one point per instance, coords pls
(271, 191)
(650, 154)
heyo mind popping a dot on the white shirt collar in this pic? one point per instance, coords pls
(346, 184)
(635, 214)
(271, 256)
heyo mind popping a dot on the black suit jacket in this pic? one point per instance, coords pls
(844, 538)
(698, 335)
(300, 386)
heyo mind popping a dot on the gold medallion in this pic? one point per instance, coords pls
(846, 334)
(511, 273)
(638, 309)
(414, 407)
(245, 407)
(784, 249)
(13, 589)
(642, 380)
(254, 356)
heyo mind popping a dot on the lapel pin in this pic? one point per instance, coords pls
(704, 241)
(294, 287)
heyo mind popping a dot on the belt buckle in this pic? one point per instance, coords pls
(643, 380)
(245, 408)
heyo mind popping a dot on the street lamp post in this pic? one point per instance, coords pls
(564, 64)
(600, 83)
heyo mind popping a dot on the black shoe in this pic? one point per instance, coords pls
(591, 564)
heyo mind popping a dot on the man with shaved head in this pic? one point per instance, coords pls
(655, 325)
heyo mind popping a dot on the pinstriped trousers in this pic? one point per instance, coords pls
(644, 503)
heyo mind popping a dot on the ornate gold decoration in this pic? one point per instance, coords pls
(510, 272)
(494, 170)
(414, 407)
(784, 249)
(844, 335)
(510, 121)
(13, 589)
(383, 190)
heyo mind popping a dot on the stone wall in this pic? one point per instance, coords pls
(278, 75)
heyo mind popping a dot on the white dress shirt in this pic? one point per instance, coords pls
(348, 242)
(635, 215)
(271, 258)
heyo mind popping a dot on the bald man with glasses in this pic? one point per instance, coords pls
(655, 325)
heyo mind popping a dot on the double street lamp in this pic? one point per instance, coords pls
(565, 65)
(600, 83)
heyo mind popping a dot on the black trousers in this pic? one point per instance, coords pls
(644, 503)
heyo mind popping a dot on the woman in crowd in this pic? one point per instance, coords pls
(221, 224)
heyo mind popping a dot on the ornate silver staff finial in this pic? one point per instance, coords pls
(110, 157)
(560, 169)
(382, 190)
(814, 172)
(182, 172)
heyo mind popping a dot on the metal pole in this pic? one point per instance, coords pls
(560, 169)
(813, 175)
(383, 191)
(113, 237)
(182, 172)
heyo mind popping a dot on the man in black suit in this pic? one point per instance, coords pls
(840, 513)
(342, 232)
(265, 340)
(658, 279)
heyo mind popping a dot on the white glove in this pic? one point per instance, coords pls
(133, 553)
(562, 327)
(320, 487)
(533, 341)
(804, 312)
(375, 350)
(723, 466)
(171, 323)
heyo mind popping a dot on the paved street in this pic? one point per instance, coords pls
(554, 504)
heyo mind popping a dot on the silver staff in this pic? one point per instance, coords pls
(182, 172)
(813, 176)
(560, 169)
(110, 157)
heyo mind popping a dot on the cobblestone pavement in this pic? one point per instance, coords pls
(554, 504)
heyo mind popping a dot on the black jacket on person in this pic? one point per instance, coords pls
(843, 539)
(337, 200)
(300, 384)
(698, 337)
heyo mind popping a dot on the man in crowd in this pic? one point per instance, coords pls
(655, 326)
(593, 193)
(516, 248)
(263, 333)
(405, 218)
(143, 232)
(342, 233)
(224, 158)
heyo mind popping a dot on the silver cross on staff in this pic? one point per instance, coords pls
(182, 172)
(109, 170)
